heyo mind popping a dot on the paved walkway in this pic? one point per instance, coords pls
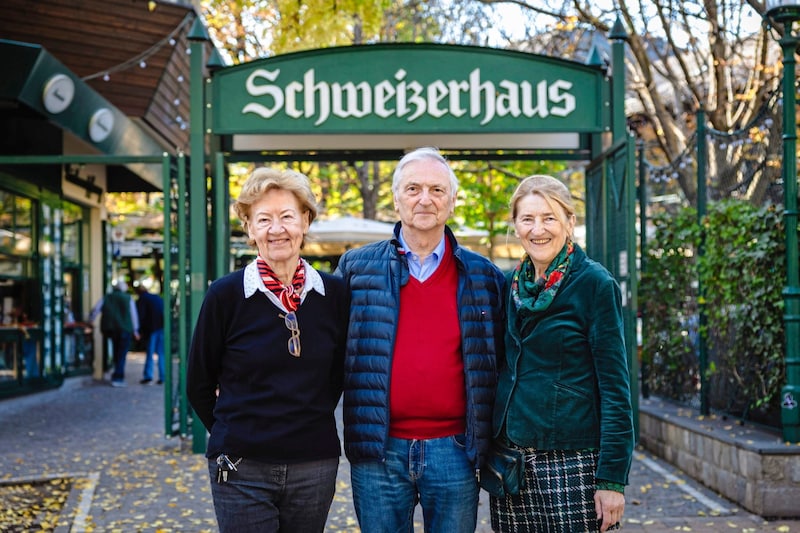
(94, 458)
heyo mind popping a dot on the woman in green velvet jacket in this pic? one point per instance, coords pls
(563, 395)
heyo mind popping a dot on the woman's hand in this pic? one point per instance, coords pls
(609, 505)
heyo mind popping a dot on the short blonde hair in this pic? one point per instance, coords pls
(264, 179)
(554, 192)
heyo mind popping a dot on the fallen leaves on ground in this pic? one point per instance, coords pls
(32, 506)
(143, 490)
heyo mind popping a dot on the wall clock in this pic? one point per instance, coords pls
(58, 93)
(101, 124)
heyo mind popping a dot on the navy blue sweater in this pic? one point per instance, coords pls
(272, 407)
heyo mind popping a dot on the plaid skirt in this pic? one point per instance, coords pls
(558, 496)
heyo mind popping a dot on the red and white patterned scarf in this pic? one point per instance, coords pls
(289, 295)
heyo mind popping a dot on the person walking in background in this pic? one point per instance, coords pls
(563, 395)
(420, 370)
(75, 333)
(30, 347)
(119, 322)
(265, 369)
(151, 319)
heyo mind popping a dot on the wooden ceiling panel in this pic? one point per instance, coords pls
(94, 37)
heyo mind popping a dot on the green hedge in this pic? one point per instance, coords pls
(741, 272)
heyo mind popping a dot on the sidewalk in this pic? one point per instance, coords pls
(99, 455)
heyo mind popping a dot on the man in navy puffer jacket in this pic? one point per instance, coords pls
(420, 369)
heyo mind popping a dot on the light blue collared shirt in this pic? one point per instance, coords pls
(423, 271)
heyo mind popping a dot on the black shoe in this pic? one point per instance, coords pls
(145, 381)
(160, 382)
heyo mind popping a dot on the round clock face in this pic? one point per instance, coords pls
(101, 124)
(58, 93)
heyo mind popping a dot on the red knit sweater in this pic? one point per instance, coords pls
(428, 397)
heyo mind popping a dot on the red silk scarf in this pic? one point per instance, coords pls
(289, 295)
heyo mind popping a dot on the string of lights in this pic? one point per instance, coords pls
(756, 132)
(669, 171)
(141, 59)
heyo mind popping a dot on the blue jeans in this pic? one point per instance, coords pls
(155, 344)
(434, 472)
(120, 343)
(29, 352)
(292, 498)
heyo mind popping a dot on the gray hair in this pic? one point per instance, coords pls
(422, 154)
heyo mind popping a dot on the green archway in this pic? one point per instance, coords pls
(375, 102)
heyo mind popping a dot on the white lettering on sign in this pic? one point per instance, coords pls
(407, 99)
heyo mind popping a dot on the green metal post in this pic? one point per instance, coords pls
(166, 294)
(626, 254)
(645, 368)
(702, 158)
(183, 317)
(619, 132)
(619, 123)
(632, 277)
(220, 226)
(595, 233)
(222, 229)
(790, 412)
(198, 193)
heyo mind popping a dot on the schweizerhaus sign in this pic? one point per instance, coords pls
(407, 88)
(405, 98)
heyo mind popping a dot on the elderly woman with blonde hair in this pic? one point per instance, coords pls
(563, 396)
(265, 368)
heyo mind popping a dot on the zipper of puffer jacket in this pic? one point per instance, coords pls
(389, 373)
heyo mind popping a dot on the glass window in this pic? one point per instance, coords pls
(8, 354)
(6, 221)
(71, 242)
(24, 216)
(13, 267)
(16, 224)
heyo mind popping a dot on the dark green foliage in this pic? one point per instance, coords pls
(668, 294)
(741, 275)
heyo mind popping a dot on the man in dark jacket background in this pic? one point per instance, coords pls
(420, 369)
(119, 322)
(151, 319)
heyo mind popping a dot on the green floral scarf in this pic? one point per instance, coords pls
(532, 296)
